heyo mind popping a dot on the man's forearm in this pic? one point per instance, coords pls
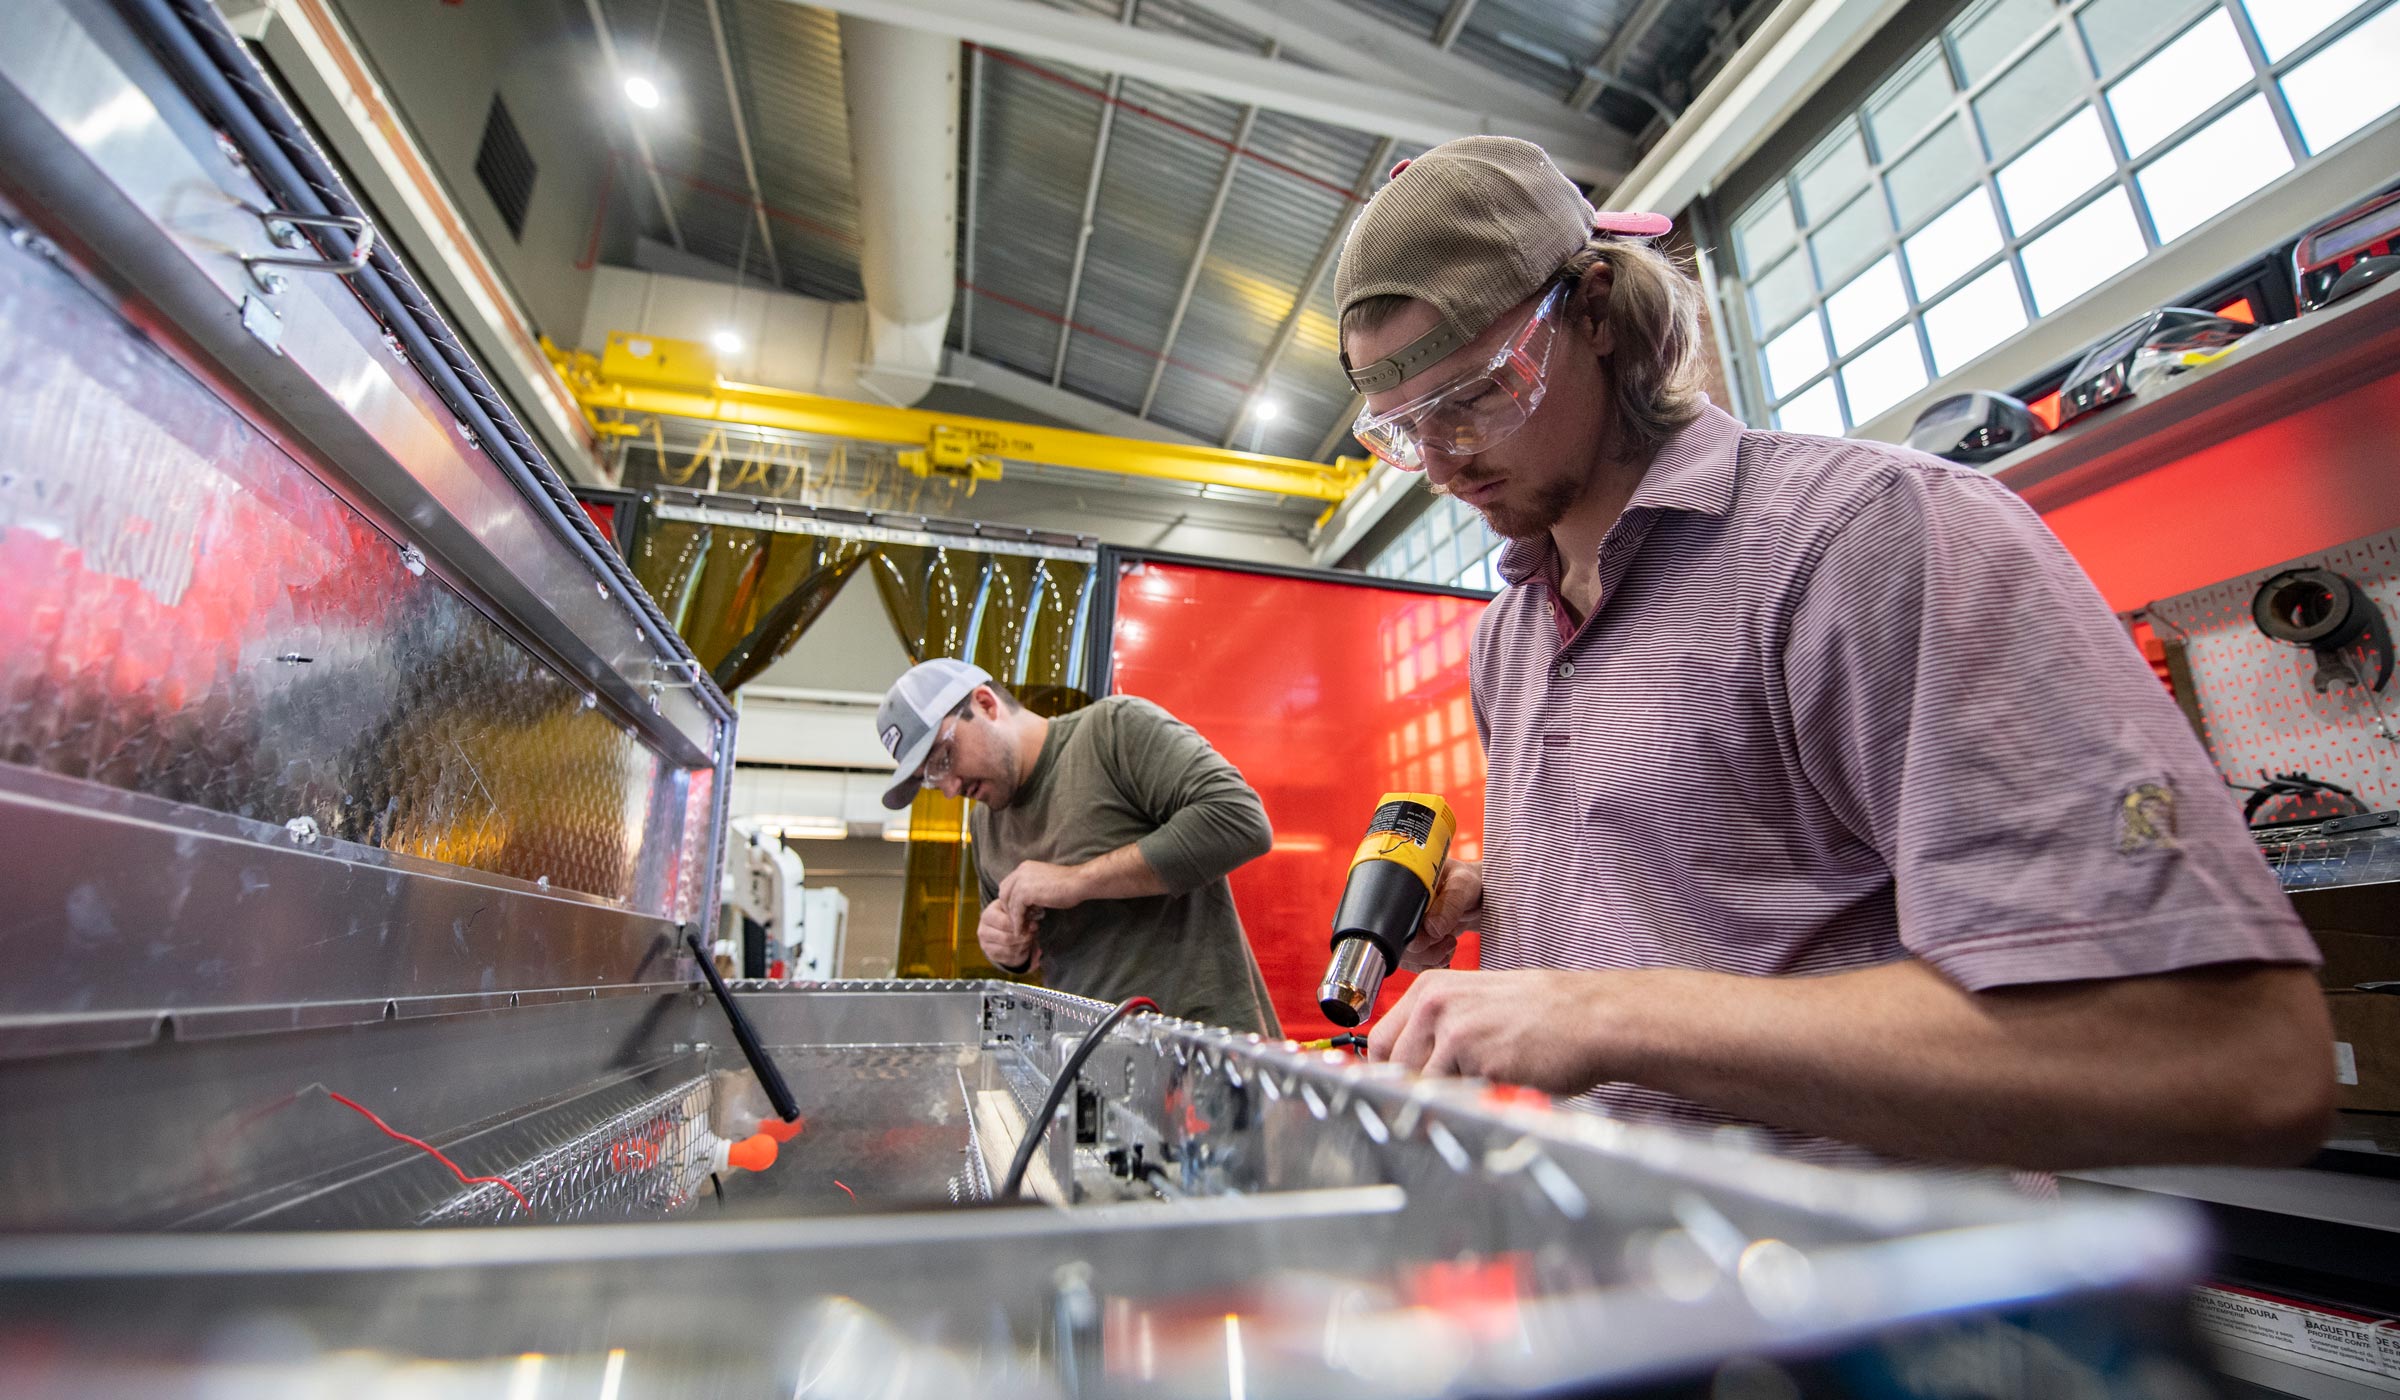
(1209, 838)
(1123, 873)
(2193, 1066)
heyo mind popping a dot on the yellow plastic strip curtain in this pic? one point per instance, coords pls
(931, 595)
(723, 605)
(743, 597)
(784, 621)
(1001, 612)
(667, 559)
(1049, 650)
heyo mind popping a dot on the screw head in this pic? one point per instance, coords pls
(34, 243)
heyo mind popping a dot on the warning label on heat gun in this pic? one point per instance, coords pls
(1413, 820)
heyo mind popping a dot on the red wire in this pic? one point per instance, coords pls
(423, 1146)
(853, 1195)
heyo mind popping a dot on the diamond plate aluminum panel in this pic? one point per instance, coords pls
(187, 611)
(642, 1162)
(696, 884)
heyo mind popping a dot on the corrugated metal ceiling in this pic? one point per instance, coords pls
(1167, 151)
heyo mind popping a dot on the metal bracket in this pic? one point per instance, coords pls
(259, 318)
(284, 225)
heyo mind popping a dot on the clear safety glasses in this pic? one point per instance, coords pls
(1476, 411)
(943, 756)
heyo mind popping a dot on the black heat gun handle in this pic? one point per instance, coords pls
(778, 1092)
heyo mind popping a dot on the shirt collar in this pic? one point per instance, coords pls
(1693, 471)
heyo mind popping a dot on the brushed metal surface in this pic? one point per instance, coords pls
(123, 909)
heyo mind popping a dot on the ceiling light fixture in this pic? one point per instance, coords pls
(727, 343)
(641, 92)
(1266, 409)
(802, 827)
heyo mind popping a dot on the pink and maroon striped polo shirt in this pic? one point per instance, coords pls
(1843, 703)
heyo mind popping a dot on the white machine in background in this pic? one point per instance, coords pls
(816, 951)
(803, 929)
(761, 885)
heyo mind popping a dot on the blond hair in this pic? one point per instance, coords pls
(1652, 312)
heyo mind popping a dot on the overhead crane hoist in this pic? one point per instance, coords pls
(662, 377)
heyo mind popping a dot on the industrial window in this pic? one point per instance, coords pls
(506, 168)
(2032, 151)
(1449, 544)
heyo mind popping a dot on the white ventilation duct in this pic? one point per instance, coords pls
(901, 88)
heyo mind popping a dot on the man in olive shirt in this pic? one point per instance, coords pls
(1102, 840)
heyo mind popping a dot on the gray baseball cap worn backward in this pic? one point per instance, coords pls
(911, 715)
(1471, 228)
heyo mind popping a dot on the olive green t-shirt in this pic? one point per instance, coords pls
(1119, 772)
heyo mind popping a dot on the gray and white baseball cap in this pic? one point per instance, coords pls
(911, 716)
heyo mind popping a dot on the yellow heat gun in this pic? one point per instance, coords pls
(1391, 884)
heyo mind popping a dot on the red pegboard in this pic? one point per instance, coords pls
(2259, 706)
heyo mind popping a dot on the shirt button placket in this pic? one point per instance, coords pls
(1566, 670)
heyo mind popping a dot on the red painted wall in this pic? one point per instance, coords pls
(1326, 696)
(2319, 478)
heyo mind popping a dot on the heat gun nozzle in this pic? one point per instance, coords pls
(1351, 981)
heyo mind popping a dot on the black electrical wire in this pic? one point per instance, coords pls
(1040, 1123)
(2280, 785)
(1162, 1181)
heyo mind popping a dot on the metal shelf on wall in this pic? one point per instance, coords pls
(2367, 904)
(2356, 1199)
(2278, 371)
(2285, 1378)
(2349, 1192)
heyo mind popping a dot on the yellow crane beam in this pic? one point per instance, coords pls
(654, 375)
